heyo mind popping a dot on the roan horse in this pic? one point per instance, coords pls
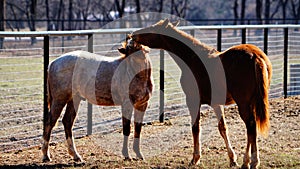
(107, 81)
(240, 74)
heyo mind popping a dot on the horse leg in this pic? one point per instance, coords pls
(246, 114)
(219, 110)
(127, 109)
(194, 109)
(138, 122)
(68, 121)
(197, 145)
(49, 122)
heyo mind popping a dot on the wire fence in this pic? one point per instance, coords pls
(22, 87)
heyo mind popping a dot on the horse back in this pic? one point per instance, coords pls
(239, 66)
(80, 73)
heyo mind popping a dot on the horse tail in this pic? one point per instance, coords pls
(49, 96)
(49, 101)
(262, 99)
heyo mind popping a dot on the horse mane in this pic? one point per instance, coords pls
(192, 41)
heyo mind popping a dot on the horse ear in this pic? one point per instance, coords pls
(146, 49)
(122, 50)
(165, 23)
(176, 23)
(129, 36)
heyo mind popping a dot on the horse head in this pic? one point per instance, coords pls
(152, 36)
(133, 48)
(136, 55)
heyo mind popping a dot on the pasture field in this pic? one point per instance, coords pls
(169, 145)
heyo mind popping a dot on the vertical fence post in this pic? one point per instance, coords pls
(219, 40)
(266, 34)
(243, 35)
(46, 63)
(193, 32)
(90, 106)
(285, 62)
(161, 86)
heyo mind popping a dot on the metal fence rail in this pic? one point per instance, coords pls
(23, 68)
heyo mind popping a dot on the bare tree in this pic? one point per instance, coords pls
(63, 16)
(295, 10)
(138, 10)
(283, 7)
(120, 7)
(235, 11)
(258, 11)
(31, 16)
(179, 8)
(70, 15)
(85, 13)
(2, 18)
(267, 11)
(243, 9)
(60, 6)
(47, 14)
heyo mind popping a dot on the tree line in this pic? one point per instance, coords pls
(79, 14)
(63, 14)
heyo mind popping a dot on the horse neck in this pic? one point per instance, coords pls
(184, 46)
(142, 70)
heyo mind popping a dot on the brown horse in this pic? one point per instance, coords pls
(107, 81)
(241, 74)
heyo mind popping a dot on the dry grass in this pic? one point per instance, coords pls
(169, 145)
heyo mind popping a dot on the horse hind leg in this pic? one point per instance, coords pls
(251, 155)
(194, 110)
(50, 121)
(68, 121)
(219, 110)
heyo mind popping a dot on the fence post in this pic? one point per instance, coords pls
(193, 32)
(46, 63)
(90, 106)
(266, 34)
(161, 86)
(285, 61)
(243, 35)
(219, 40)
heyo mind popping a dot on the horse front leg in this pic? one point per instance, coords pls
(139, 113)
(127, 109)
(219, 110)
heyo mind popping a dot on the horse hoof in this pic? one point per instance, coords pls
(195, 160)
(233, 164)
(127, 159)
(78, 159)
(139, 156)
(244, 166)
(138, 159)
(46, 159)
(193, 163)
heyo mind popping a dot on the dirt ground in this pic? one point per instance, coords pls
(169, 145)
